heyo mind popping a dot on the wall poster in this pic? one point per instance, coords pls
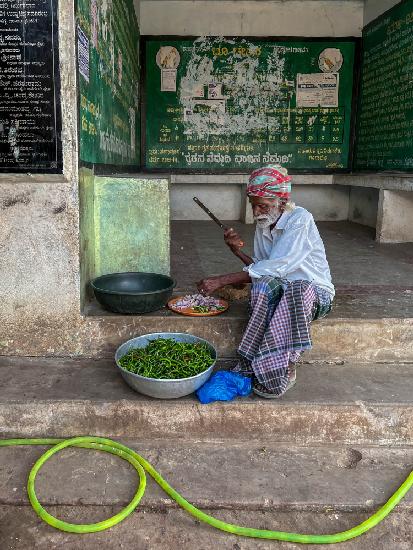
(30, 117)
(385, 114)
(230, 104)
(108, 65)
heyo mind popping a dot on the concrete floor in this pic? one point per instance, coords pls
(356, 261)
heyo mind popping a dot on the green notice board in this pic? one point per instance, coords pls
(108, 67)
(384, 136)
(214, 104)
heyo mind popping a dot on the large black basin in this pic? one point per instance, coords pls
(133, 292)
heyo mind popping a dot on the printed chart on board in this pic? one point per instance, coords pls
(232, 104)
(30, 115)
(385, 113)
(108, 63)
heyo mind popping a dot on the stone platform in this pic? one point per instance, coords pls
(343, 404)
(372, 318)
(320, 460)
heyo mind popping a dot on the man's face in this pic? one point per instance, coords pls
(265, 211)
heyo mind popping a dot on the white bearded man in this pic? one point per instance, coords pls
(291, 283)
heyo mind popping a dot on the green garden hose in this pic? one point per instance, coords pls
(140, 464)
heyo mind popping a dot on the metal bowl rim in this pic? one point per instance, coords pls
(126, 293)
(167, 379)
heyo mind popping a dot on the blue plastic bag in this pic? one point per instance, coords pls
(224, 386)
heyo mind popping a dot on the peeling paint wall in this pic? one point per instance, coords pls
(252, 100)
(39, 249)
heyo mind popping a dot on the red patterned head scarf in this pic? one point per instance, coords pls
(270, 182)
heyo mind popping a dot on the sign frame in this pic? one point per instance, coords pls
(355, 168)
(58, 124)
(222, 171)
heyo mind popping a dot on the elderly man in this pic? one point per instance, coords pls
(291, 283)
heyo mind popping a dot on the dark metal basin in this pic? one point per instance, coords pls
(133, 292)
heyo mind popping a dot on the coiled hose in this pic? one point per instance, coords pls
(141, 465)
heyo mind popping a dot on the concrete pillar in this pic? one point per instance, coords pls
(395, 217)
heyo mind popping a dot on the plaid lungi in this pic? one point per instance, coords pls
(279, 328)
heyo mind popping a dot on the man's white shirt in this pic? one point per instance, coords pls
(293, 250)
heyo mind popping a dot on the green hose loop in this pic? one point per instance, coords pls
(141, 465)
(89, 443)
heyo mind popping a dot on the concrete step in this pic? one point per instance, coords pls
(373, 323)
(243, 475)
(263, 484)
(20, 529)
(350, 404)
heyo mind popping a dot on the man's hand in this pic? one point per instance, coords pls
(233, 240)
(210, 285)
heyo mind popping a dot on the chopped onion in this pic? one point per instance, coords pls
(194, 300)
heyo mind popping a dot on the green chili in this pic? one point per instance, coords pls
(168, 359)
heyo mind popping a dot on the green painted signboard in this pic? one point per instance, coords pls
(384, 136)
(108, 66)
(215, 104)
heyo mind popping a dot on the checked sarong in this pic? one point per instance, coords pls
(278, 330)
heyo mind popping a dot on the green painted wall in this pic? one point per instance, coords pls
(131, 225)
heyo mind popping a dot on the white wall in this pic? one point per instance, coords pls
(394, 223)
(137, 4)
(224, 200)
(252, 18)
(374, 8)
(325, 202)
(363, 205)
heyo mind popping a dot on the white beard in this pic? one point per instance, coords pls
(266, 221)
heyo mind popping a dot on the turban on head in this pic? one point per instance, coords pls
(270, 182)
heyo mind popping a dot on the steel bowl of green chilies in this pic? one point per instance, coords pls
(166, 365)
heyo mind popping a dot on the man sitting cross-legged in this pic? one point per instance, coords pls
(291, 283)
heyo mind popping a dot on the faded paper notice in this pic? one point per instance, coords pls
(212, 110)
(187, 113)
(94, 23)
(330, 60)
(215, 91)
(83, 53)
(168, 57)
(168, 80)
(317, 90)
(196, 91)
(215, 110)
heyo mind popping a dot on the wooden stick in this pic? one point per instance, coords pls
(213, 217)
